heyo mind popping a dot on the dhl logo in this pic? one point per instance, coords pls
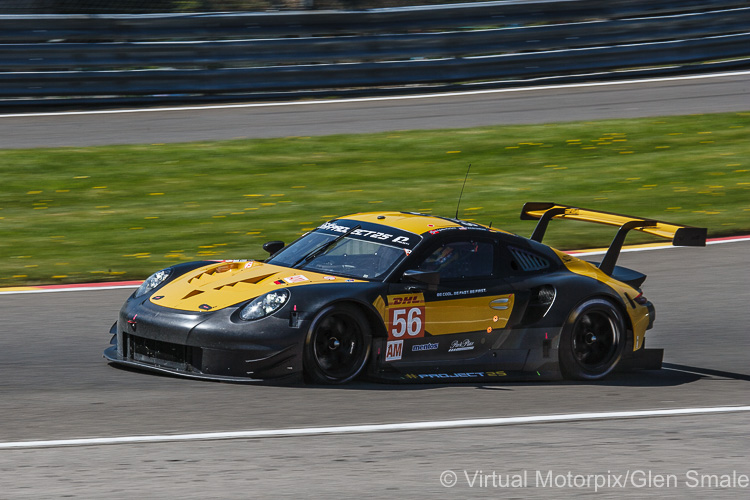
(402, 300)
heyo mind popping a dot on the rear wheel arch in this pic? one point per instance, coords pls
(594, 337)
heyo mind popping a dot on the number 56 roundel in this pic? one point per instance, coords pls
(405, 316)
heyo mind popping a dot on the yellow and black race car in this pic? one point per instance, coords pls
(404, 297)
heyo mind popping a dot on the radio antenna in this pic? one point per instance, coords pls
(462, 190)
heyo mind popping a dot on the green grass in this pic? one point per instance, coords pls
(104, 213)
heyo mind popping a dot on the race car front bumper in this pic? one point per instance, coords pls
(206, 345)
(202, 362)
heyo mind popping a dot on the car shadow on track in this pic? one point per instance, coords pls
(641, 378)
(669, 376)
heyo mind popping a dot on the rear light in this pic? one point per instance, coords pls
(640, 299)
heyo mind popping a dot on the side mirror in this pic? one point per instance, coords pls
(273, 246)
(429, 278)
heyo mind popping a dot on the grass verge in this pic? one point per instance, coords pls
(122, 212)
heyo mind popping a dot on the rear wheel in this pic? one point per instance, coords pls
(337, 345)
(592, 341)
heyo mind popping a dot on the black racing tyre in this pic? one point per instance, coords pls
(337, 345)
(593, 340)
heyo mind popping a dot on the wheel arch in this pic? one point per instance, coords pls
(571, 368)
(617, 301)
(374, 320)
(311, 370)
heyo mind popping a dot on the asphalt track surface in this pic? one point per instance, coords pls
(540, 104)
(54, 385)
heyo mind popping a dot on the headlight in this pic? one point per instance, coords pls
(152, 282)
(264, 305)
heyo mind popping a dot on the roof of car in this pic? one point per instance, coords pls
(407, 221)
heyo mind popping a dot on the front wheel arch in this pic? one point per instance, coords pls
(337, 345)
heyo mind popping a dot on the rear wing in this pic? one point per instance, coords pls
(686, 236)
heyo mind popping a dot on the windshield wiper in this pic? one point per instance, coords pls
(325, 247)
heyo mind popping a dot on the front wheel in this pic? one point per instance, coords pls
(593, 340)
(337, 345)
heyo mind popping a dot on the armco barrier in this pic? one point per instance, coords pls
(192, 56)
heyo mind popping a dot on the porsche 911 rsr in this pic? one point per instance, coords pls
(398, 296)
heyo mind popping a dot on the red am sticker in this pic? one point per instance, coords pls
(394, 350)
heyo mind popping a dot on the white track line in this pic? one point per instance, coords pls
(436, 95)
(359, 429)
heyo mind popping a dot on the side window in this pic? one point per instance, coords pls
(461, 260)
(527, 261)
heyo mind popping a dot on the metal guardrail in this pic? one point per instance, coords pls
(194, 56)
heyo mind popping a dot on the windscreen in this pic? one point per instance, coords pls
(366, 251)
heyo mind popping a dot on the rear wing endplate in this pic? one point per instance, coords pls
(686, 236)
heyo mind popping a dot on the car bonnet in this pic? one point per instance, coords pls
(225, 284)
